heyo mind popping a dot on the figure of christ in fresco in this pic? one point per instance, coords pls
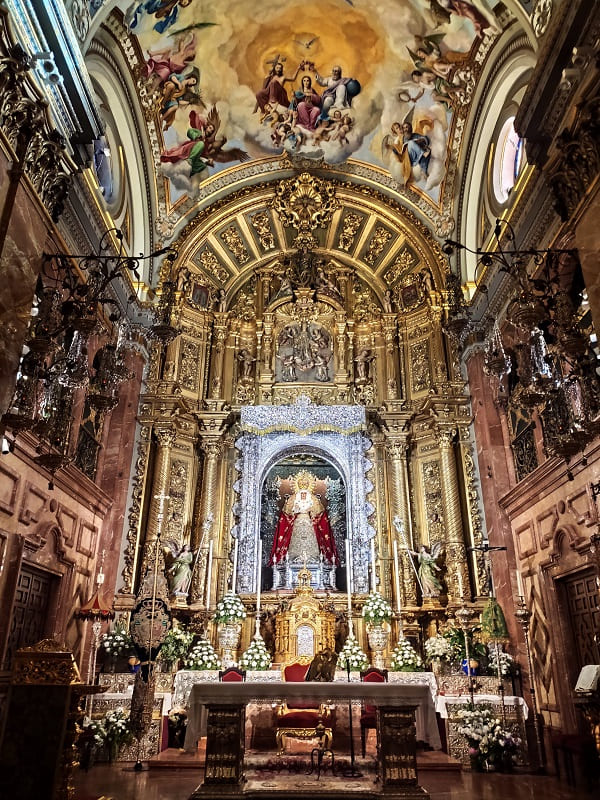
(165, 12)
(203, 147)
(303, 531)
(170, 60)
(274, 92)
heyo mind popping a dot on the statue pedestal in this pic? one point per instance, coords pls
(322, 576)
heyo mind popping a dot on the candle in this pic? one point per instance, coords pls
(397, 577)
(209, 574)
(235, 564)
(258, 576)
(349, 586)
(460, 584)
(373, 571)
(520, 586)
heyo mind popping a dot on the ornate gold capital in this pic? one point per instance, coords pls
(165, 437)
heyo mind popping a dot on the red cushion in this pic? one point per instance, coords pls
(295, 673)
(368, 719)
(373, 677)
(299, 719)
(232, 675)
(369, 709)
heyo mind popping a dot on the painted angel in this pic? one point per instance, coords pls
(415, 149)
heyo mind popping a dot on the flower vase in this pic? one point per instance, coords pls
(229, 638)
(378, 638)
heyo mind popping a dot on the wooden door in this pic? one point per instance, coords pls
(30, 610)
(583, 604)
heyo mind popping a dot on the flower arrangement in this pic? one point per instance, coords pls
(230, 609)
(376, 609)
(176, 645)
(438, 647)
(203, 656)
(256, 657)
(456, 639)
(351, 655)
(507, 662)
(117, 641)
(488, 740)
(405, 658)
(112, 732)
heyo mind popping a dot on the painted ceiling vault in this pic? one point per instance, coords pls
(380, 85)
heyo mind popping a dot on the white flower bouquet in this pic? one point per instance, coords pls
(117, 641)
(256, 657)
(351, 655)
(176, 645)
(488, 740)
(405, 658)
(117, 732)
(230, 609)
(507, 662)
(376, 609)
(202, 656)
(438, 647)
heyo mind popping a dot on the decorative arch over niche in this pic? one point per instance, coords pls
(333, 433)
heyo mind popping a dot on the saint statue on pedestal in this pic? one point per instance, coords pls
(303, 532)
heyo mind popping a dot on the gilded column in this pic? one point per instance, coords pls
(399, 507)
(208, 511)
(165, 438)
(391, 379)
(457, 577)
(219, 337)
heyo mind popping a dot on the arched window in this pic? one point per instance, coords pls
(509, 159)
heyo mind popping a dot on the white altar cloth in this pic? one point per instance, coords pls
(385, 694)
(443, 701)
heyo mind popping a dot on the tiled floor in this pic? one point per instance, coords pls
(119, 782)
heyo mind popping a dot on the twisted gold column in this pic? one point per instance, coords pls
(457, 577)
(165, 438)
(212, 449)
(399, 506)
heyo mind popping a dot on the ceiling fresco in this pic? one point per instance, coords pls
(382, 82)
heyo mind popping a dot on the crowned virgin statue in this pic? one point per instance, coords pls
(303, 532)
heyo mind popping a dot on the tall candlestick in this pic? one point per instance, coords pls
(373, 571)
(349, 586)
(258, 587)
(520, 586)
(258, 574)
(209, 573)
(235, 564)
(397, 577)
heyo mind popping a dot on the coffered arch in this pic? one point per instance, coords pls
(377, 237)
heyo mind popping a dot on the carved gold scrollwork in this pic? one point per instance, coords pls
(305, 203)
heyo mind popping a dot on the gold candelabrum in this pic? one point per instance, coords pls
(523, 615)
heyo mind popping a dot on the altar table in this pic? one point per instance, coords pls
(226, 703)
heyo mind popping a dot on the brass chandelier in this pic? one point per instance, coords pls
(551, 365)
(75, 297)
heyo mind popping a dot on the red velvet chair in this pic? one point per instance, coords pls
(232, 674)
(301, 721)
(368, 716)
